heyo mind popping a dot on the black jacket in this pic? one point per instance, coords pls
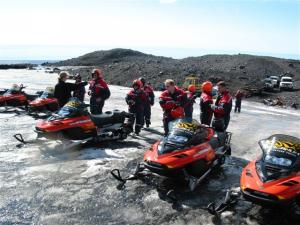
(63, 91)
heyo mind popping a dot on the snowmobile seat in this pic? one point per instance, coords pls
(109, 117)
(2, 91)
(31, 97)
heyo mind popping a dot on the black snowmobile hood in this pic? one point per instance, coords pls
(281, 156)
(181, 133)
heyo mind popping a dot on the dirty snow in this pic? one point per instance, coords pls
(41, 184)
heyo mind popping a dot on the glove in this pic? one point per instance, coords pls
(177, 103)
(98, 100)
(130, 102)
(170, 102)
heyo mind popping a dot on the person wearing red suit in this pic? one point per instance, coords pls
(238, 101)
(206, 101)
(171, 98)
(222, 108)
(99, 92)
(135, 100)
(149, 102)
(191, 99)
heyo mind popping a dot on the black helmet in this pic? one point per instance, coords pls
(143, 80)
(77, 77)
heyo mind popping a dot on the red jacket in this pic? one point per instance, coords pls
(223, 105)
(169, 101)
(99, 88)
(190, 99)
(150, 94)
(136, 99)
(239, 95)
(206, 101)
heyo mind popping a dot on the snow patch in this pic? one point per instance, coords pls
(94, 153)
(93, 168)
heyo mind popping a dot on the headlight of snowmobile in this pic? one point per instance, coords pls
(278, 161)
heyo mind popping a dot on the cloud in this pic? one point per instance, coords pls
(167, 1)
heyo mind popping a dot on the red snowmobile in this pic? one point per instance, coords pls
(190, 151)
(74, 122)
(272, 180)
(38, 105)
(15, 97)
(45, 102)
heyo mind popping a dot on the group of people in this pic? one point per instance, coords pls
(98, 90)
(140, 100)
(175, 102)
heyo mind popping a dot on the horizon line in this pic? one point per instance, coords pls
(156, 51)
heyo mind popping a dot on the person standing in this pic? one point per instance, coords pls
(191, 96)
(63, 90)
(238, 101)
(99, 92)
(206, 101)
(80, 91)
(149, 101)
(222, 108)
(135, 100)
(169, 100)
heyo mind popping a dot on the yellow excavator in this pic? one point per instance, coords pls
(192, 80)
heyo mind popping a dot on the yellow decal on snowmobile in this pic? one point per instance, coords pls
(187, 126)
(73, 104)
(288, 146)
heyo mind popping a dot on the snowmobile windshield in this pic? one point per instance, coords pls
(182, 132)
(67, 111)
(46, 95)
(71, 109)
(11, 92)
(280, 150)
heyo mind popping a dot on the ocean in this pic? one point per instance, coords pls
(35, 62)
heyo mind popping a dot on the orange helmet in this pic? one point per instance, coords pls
(137, 83)
(192, 88)
(207, 86)
(177, 112)
(98, 73)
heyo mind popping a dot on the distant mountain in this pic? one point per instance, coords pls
(121, 66)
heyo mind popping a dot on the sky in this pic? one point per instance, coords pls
(61, 29)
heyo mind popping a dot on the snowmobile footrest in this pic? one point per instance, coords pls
(230, 200)
(20, 138)
(116, 174)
